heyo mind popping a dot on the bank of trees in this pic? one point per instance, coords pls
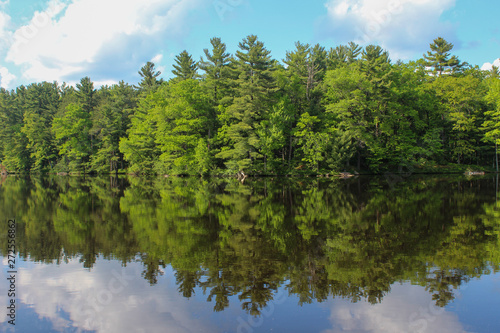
(318, 110)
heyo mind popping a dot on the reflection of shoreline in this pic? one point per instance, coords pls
(352, 240)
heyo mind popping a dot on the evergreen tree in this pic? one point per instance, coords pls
(149, 76)
(254, 88)
(375, 63)
(297, 74)
(439, 57)
(138, 147)
(110, 122)
(186, 67)
(15, 155)
(41, 104)
(491, 126)
(217, 71)
(461, 100)
(348, 106)
(86, 94)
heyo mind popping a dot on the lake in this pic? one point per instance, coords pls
(397, 253)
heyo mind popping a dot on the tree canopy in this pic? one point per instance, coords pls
(347, 108)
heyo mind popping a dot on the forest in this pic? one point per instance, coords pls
(318, 111)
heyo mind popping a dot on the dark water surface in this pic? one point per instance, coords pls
(389, 254)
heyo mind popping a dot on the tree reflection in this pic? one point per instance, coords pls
(351, 239)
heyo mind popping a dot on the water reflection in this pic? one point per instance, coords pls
(226, 247)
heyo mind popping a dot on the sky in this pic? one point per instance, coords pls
(110, 40)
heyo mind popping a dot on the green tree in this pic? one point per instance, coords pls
(347, 105)
(15, 155)
(185, 68)
(138, 147)
(313, 142)
(149, 76)
(183, 116)
(41, 104)
(111, 120)
(491, 125)
(439, 57)
(462, 101)
(86, 94)
(217, 70)
(254, 88)
(71, 133)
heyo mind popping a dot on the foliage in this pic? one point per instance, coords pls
(317, 111)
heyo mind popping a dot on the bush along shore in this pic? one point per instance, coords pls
(317, 112)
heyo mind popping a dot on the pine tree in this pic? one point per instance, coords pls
(15, 156)
(217, 71)
(138, 147)
(86, 94)
(41, 104)
(110, 122)
(255, 86)
(439, 57)
(186, 67)
(297, 74)
(149, 76)
(491, 125)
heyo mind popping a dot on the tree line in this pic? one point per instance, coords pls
(317, 111)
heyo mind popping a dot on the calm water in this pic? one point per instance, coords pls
(389, 254)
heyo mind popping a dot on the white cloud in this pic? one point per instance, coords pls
(401, 26)
(6, 78)
(5, 35)
(488, 66)
(157, 58)
(408, 308)
(108, 299)
(67, 40)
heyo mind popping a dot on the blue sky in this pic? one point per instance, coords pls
(110, 40)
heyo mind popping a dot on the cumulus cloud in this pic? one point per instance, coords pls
(407, 308)
(488, 66)
(110, 298)
(401, 26)
(102, 37)
(6, 78)
(4, 32)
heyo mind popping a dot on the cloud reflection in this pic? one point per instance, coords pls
(95, 300)
(407, 308)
